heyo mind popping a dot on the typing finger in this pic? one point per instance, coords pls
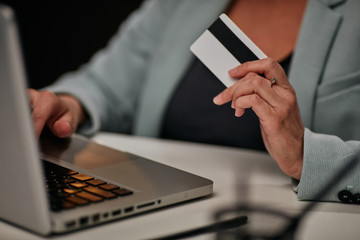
(44, 106)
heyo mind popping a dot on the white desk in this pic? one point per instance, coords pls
(238, 175)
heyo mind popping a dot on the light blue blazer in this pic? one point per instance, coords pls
(126, 86)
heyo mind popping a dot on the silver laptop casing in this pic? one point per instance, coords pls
(23, 200)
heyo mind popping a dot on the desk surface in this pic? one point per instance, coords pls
(238, 175)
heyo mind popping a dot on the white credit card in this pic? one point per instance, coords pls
(224, 46)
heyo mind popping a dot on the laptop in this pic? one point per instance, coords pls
(62, 185)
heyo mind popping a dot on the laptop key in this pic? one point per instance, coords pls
(82, 177)
(108, 186)
(78, 184)
(71, 190)
(100, 192)
(68, 205)
(61, 194)
(68, 180)
(55, 185)
(77, 200)
(122, 192)
(59, 169)
(90, 197)
(95, 182)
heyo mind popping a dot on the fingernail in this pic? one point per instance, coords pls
(217, 99)
(233, 71)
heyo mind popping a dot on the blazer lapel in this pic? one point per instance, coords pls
(318, 30)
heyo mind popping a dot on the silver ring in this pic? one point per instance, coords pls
(273, 81)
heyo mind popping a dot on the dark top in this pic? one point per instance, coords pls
(192, 116)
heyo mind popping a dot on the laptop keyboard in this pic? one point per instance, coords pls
(68, 189)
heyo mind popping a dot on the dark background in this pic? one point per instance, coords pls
(59, 35)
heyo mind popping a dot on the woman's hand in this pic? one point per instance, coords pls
(276, 106)
(60, 113)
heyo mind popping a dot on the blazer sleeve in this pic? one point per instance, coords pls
(111, 83)
(324, 155)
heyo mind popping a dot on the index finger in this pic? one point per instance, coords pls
(43, 107)
(267, 67)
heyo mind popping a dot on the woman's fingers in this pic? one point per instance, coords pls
(42, 105)
(49, 110)
(259, 106)
(62, 128)
(66, 125)
(266, 67)
(274, 102)
(255, 78)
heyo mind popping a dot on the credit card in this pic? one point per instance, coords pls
(224, 46)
